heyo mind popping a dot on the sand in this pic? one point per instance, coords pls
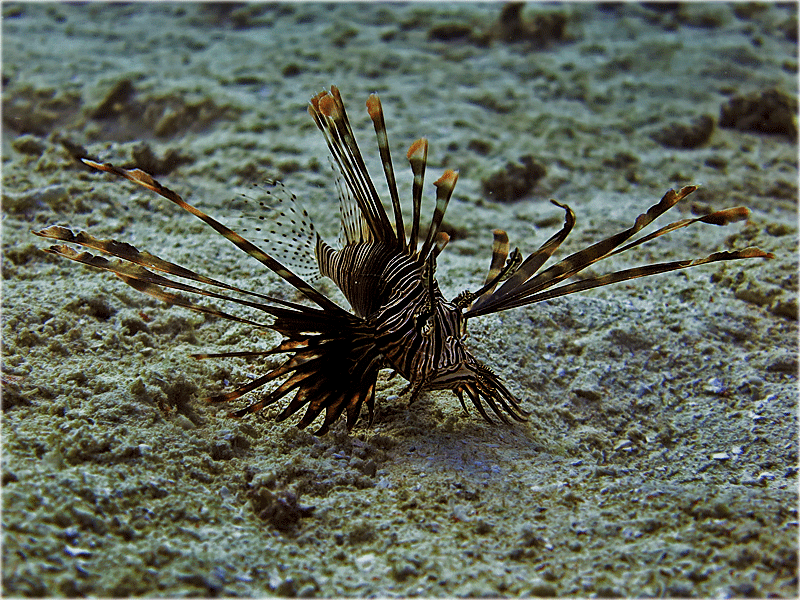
(661, 453)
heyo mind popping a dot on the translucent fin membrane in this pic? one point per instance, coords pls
(274, 218)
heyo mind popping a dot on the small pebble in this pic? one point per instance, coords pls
(76, 551)
(365, 561)
(714, 386)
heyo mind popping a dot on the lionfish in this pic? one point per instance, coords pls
(399, 318)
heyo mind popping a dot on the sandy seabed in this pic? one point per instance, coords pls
(661, 454)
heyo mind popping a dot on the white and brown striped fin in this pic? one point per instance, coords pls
(131, 254)
(135, 272)
(375, 110)
(636, 272)
(324, 346)
(418, 159)
(516, 292)
(440, 243)
(518, 274)
(152, 284)
(501, 268)
(328, 112)
(145, 180)
(444, 190)
(535, 261)
(335, 374)
(500, 248)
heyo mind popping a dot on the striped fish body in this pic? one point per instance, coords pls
(399, 317)
(417, 332)
(368, 273)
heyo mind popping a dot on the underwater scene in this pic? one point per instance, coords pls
(317, 381)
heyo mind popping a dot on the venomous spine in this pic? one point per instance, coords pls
(399, 318)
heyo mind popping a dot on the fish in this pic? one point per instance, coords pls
(398, 317)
